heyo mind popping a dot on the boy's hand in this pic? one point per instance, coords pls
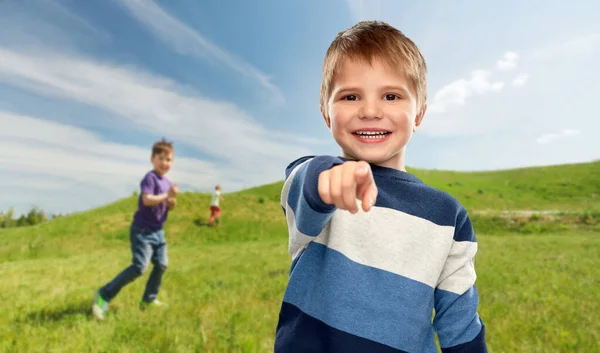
(343, 184)
(174, 190)
(171, 202)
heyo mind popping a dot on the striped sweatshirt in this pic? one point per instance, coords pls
(379, 281)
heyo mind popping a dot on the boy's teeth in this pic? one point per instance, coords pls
(371, 134)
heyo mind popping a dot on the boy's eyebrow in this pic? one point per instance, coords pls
(345, 89)
(396, 88)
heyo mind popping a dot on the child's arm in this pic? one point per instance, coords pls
(147, 187)
(148, 197)
(456, 321)
(171, 203)
(150, 200)
(312, 191)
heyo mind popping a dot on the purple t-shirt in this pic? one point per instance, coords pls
(152, 217)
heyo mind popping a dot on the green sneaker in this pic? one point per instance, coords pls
(100, 306)
(155, 303)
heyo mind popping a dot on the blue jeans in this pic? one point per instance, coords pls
(146, 246)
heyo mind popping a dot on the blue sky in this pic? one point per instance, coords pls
(86, 87)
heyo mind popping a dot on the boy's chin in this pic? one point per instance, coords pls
(372, 157)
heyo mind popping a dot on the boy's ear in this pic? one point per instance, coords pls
(419, 117)
(327, 121)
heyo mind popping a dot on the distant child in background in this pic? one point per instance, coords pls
(146, 236)
(215, 209)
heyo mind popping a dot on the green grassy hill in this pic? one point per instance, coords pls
(536, 272)
(561, 187)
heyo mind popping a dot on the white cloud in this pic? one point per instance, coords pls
(520, 80)
(37, 155)
(552, 137)
(188, 41)
(457, 92)
(248, 153)
(155, 104)
(31, 133)
(508, 61)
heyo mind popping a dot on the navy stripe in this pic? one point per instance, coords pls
(310, 212)
(290, 168)
(311, 182)
(416, 200)
(301, 333)
(308, 220)
(456, 319)
(464, 227)
(362, 300)
(477, 345)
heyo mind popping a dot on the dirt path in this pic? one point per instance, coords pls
(519, 213)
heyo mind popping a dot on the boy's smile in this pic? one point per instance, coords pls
(371, 135)
(373, 112)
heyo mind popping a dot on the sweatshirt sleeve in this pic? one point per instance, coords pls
(457, 322)
(305, 212)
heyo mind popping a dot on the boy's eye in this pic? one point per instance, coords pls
(391, 97)
(350, 98)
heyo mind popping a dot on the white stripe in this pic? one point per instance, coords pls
(298, 240)
(459, 272)
(391, 240)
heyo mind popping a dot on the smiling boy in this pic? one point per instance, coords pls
(146, 235)
(375, 250)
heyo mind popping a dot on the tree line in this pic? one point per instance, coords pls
(35, 216)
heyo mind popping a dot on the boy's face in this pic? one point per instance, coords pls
(162, 162)
(373, 112)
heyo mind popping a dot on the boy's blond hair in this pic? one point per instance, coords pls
(368, 40)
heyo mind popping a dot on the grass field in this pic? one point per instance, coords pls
(537, 274)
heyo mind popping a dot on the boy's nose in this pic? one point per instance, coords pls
(370, 110)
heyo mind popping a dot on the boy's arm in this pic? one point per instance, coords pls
(306, 213)
(148, 198)
(457, 323)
